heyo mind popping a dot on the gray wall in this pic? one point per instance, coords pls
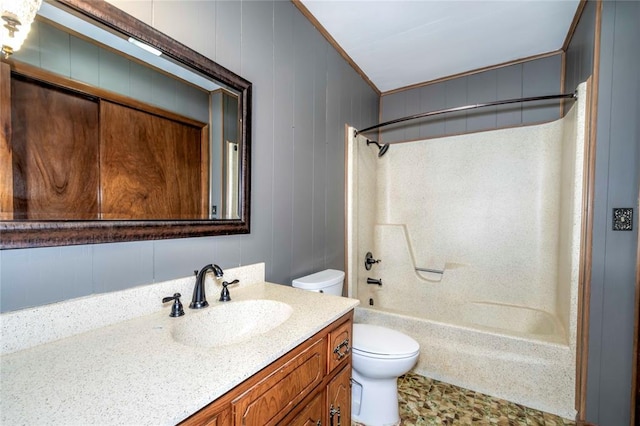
(52, 49)
(579, 55)
(533, 78)
(613, 270)
(304, 93)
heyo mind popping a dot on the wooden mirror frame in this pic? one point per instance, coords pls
(24, 234)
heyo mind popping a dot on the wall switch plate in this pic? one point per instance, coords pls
(623, 219)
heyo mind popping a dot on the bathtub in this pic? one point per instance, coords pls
(479, 241)
(529, 323)
(524, 364)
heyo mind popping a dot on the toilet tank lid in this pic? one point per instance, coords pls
(382, 340)
(321, 279)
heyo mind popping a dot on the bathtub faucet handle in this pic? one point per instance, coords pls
(370, 261)
(374, 281)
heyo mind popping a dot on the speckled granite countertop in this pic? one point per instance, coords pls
(133, 372)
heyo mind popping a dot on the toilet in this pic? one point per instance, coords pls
(329, 281)
(379, 354)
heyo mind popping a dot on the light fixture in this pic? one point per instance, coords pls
(145, 46)
(17, 16)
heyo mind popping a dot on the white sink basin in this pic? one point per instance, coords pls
(229, 323)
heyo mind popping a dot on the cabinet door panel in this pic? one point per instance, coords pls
(271, 399)
(339, 345)
(311, 415)
(339, 398)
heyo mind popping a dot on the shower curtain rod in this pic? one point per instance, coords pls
(572, 96)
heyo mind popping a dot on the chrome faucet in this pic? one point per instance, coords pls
(199, 299)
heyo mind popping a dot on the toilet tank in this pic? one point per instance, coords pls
(328, 281)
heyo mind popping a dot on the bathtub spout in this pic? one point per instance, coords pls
(374, 281)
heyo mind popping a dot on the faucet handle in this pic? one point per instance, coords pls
(370, 261)
(176, 308)
(224, 295)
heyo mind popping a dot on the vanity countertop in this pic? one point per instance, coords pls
(133, 372)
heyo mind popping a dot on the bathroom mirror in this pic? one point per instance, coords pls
(218, 191)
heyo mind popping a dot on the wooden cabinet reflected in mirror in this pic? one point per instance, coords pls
(77, 156)
(52, 171)
(99, 146)
(151, 167)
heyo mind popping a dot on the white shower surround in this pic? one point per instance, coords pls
(500, 213)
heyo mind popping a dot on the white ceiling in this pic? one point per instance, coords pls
(400, 43)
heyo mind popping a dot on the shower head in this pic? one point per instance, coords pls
(382, 148)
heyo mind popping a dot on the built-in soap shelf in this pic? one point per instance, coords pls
(433, 271)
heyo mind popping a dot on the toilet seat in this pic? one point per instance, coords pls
(381, 342)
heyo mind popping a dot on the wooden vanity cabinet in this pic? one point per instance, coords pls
(279, 392)
(339, 398)
(222, 417)
(310, 385)
(339, 345)
(312, 414)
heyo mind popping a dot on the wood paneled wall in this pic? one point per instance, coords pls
(304, 93)
(617, 177)
(580, 51)
(536, 77)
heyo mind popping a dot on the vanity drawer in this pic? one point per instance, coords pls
(222, 418)
(311, 414)
(339, 349)
(274, 396)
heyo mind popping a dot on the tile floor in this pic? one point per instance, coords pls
(425, 401)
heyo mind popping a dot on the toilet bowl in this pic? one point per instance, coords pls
(379, 356)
